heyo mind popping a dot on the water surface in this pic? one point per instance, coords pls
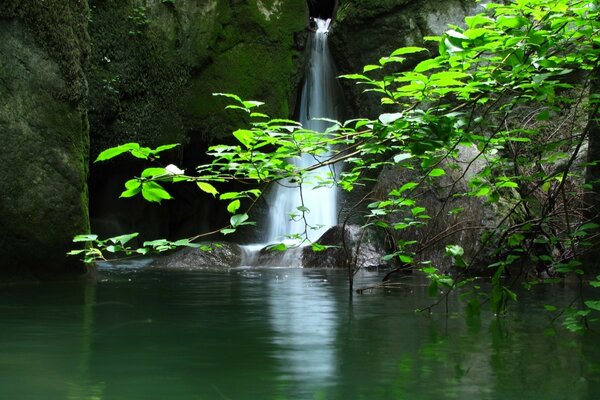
(277, 334)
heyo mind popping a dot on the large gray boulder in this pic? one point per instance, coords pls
(212, 255)
(350, 247)
(43, 121)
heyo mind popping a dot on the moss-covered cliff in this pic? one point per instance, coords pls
(155, 65)
(44, 49)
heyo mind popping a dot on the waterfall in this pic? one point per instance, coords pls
(319, 99)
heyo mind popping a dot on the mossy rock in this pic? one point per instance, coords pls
(43, 159)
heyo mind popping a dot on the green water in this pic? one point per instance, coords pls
(277, 334)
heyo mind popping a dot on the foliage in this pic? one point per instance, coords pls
(511, 83)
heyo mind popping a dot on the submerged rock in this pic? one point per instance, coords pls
(352, 246)
(211, 256)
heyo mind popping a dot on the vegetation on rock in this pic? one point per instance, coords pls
(512, 85)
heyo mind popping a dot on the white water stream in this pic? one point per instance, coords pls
(318, 100)
(286, 200)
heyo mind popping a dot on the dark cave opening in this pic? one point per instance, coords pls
(322, 9)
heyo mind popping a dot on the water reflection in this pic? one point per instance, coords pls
(276, 334)
(304, 316)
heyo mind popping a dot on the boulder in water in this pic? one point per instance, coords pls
(352, 246)
(212, 255)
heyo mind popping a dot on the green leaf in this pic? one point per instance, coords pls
(371, 67)
(455, 34)
(427, 65)
(387, 119)
(482, 191)
(437, 172)
(408, 186)
(589, 226)
(417, 210)
(550, 308)
(278, 247)
(229, 95)
(208, 188)
(164, 147)
(245, 136)
(153, 192)
(133, 184)
(130, 192)
(85, 238)
(454, 250)
(407, 50)
(115, 151)
(227, 231)
(507, 184)
(402, 157)
(238, 219)
(405, 258)
(252, 103)
(593, 304)
(152, 172)
(123, 238)
(233, 206)
(357, 77)
(230, 195)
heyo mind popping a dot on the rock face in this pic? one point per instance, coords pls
(366, 30)
(353, 246)
(43, 120)
(463, 226)
(154, 67)
(214, 256)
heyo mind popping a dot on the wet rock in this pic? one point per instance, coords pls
(454, 217)
(43, 120)
(352, 246)
(212, 255)
(366, 30)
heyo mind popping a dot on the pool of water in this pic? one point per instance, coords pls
(278, 334)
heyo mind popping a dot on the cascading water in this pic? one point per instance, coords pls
(319, 99)
(306, 208)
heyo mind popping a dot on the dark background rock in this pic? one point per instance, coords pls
(44, 50)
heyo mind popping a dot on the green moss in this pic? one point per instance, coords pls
(255, 57)
(155, 85)
(60, 27)
(136, 78)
